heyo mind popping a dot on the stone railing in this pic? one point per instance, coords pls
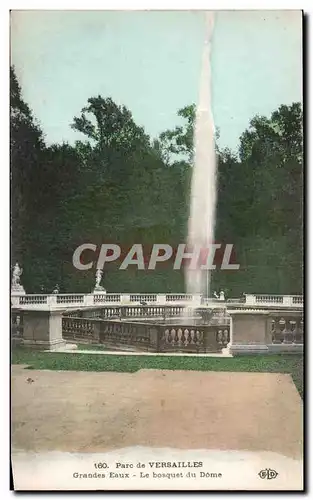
(140, 297)
(274, 300)
(217, 316)
(183, 297)
(26, 300)
(104, 298)
(264, 330)
(297, 300)
(178, 338)
(129, 335)
(66, 299)
(286, 330)
(123, 311)
(97, 299)
(253, 330)
(80, 329)
(144, 336)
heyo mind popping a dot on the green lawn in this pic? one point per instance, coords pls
(290, 363)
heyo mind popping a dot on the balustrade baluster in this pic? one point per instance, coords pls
(198, 337)
(192, 336)
(179, 336)
(173, 336)
(186, 336)
(299, 331)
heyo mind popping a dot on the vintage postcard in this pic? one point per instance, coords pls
(156, 250)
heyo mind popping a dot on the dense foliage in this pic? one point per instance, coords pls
(120, 186)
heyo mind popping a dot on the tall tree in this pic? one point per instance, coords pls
(272, 186)
(110, 127)
(179, 141)
(26, 147)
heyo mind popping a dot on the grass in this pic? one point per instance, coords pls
(280, 363)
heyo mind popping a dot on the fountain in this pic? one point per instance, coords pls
(203, 187)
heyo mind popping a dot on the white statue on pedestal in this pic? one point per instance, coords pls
(16, 275)
(98, 277)
(17, 272)
(98, 287)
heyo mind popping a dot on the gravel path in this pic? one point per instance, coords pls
(94, 412)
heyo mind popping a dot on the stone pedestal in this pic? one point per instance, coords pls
(43, 329)
(249, 332)
(16, 293)
(161, 299)
(89, 299)
(18, 290)
(99, 289)
(125, 299)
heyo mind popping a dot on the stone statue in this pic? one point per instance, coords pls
(56, 289)
(98, 277)
(16, 286)
(98, 287)
(17, 272)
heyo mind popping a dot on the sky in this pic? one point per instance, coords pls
(150, 62)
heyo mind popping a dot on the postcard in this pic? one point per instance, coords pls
(156, 250)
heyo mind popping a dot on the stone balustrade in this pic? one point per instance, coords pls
(246, 329)
(286, 332)
(33, 299)
(145, 336)
(137, 297)
(66, 299)
(104, 298)
(193, 339)
(255, 331)
(96, 299)
(80, 329)
(199, 315)
(160, 322)
(61, 300)
(274, 300)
